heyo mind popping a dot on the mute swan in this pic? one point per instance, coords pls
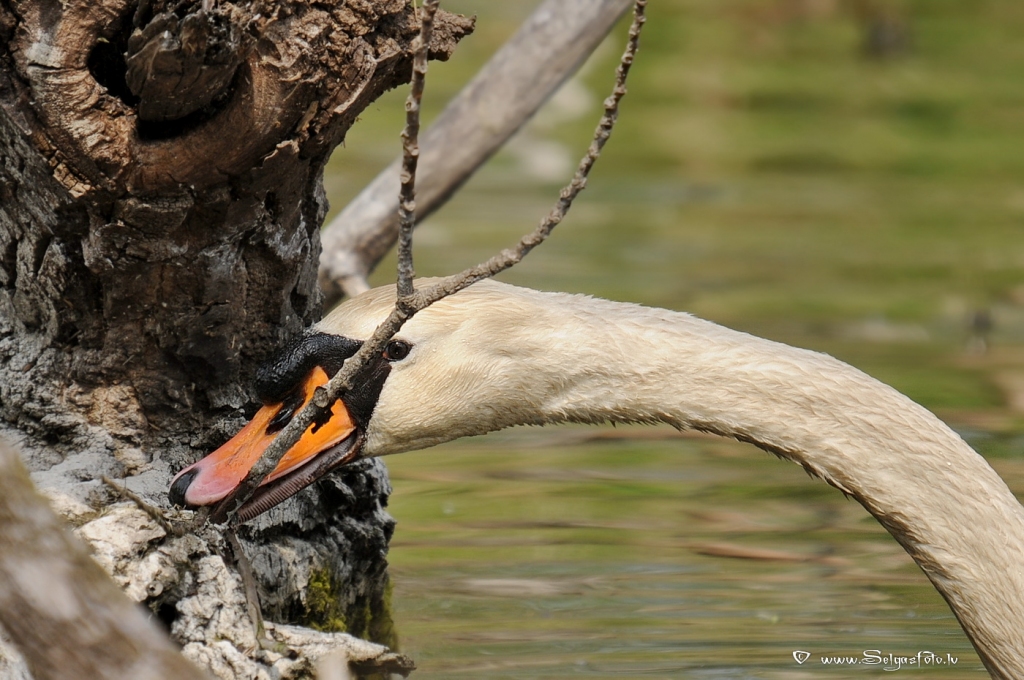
(495, 355)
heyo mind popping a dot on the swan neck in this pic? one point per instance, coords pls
(941, 500)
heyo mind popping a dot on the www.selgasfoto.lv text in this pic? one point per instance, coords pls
(887, 661)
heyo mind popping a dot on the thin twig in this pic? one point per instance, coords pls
(508, 258)
(252, 598)
(411, 150)
(154, 513)
(545, 50)
(406, 307)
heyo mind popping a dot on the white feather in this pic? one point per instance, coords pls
(494, 355)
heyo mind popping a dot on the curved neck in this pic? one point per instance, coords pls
(942, 501)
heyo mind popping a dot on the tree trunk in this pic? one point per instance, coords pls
(160, 203)
(146, 265)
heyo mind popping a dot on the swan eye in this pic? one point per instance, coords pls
(397, 350)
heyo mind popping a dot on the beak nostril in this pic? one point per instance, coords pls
(180, 486)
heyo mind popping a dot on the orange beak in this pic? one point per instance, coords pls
(214, 477)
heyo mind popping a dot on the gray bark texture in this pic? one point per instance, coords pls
(160, 202)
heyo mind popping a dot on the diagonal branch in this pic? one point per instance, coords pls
(549, 46)
(406, 307)
(59, 607)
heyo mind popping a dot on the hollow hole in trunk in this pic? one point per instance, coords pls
(150, 130)
(167, 614)
(153, 130)
(107, 65)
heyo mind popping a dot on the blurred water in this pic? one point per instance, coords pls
(546, 556)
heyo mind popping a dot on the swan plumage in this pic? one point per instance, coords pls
(495, 355)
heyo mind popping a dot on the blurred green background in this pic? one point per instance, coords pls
(843, 175)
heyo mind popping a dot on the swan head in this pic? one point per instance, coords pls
(454, 369)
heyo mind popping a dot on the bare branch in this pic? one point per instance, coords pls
(406, 307)
(411, 150)
(155, 514)
(252, 598)
(62, 611)
(549, 46)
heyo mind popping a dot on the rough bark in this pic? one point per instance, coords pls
(160, 200)
(145, 266)
(70, 621)
(330, 572)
